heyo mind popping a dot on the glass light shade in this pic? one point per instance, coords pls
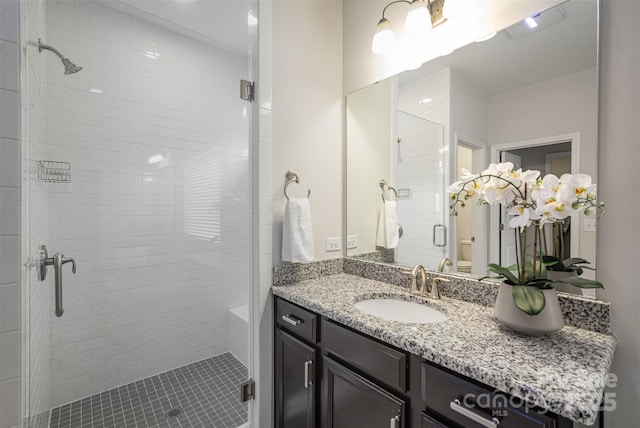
(383, 39)
(418, 21)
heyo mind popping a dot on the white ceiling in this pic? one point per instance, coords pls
(503, 63)
(219, 22)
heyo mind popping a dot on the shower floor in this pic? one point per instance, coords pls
(203, 394)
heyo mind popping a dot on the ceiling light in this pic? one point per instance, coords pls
(531, 22)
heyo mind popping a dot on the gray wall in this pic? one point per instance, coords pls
(619, 230)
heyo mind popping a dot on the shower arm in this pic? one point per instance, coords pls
(42, 46)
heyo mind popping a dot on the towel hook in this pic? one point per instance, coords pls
(291, 178)
(383, 183)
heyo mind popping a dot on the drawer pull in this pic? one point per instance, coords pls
(290, 319)
(307, 374)
(456, 407)
(394, 422)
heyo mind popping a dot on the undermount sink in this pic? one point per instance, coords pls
(401, 310)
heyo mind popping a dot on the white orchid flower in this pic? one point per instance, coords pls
(575, 186)
(521, 216)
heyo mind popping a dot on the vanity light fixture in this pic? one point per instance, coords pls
(422, 16)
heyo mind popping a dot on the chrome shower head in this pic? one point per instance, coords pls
(69, 67)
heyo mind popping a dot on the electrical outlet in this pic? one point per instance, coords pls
(352, 242)
(589, 225)
(334, 244)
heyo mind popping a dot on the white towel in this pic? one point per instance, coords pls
(297, 237)
(388, 229)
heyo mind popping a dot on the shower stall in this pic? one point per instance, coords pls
(137, 167)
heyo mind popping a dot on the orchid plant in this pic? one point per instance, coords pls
(532, 201)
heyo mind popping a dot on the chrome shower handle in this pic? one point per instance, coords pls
(57, 261)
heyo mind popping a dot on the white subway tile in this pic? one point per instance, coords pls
(9, 259)
(9, 19)
(10, 117)
(10, 354)
(9, 211)
(9, 60)
(9, 307)
(9, 400)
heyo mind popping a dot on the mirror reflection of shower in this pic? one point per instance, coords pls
(69, 67)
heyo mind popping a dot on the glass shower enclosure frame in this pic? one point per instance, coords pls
(137, 178)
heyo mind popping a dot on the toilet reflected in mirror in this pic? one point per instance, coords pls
(464, 262)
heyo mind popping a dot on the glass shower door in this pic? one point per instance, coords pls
(419, 176)
(151, 198)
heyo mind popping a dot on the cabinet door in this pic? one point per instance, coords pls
(351, 401)
(295, 384)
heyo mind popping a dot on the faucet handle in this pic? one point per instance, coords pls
(435, 291)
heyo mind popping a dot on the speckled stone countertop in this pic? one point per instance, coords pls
(564, 372)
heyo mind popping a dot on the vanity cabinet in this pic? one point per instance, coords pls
(330, 376)
(351, 400)
(296, 366)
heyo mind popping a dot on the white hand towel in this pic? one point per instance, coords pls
(388, 230)
(297, 237)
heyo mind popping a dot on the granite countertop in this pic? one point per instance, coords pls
(564, 372)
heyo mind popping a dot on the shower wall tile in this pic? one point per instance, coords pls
(9, 21)
(158, 211)
(9, 163)
(10, 117)
(10, 333)
(10, 76)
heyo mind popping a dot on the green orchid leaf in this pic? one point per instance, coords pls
(502, 272)
(582, 282)
(540, 282)
(529, 300)
(573, 261)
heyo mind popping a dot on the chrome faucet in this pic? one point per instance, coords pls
(445, 261)
(415, 288)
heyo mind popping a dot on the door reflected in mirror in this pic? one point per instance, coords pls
(509, 94)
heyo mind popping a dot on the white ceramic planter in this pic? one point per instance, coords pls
(547, 321)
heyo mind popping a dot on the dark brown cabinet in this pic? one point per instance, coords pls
(332, 376)
(351, 401)
(295, 382)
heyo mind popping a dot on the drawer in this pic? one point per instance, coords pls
(470, 405)
(297, 320)
(373, 358)
(427, 421)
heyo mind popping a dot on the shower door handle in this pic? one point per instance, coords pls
(57, 261)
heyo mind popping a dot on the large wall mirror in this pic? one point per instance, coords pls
(528, 95)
